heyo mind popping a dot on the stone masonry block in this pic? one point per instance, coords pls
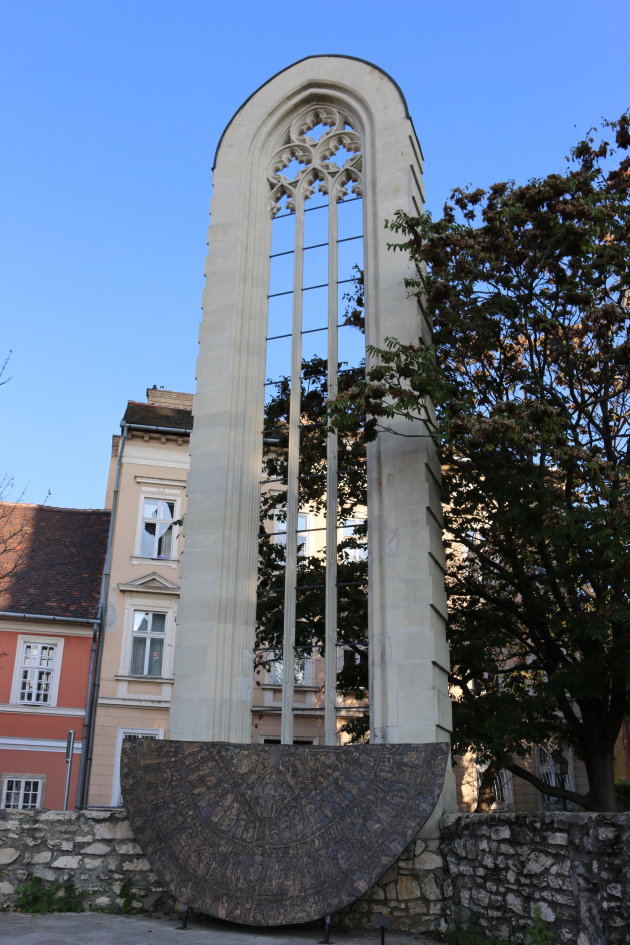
(66, 863)
(8, 855)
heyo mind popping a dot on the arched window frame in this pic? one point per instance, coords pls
(407, 606)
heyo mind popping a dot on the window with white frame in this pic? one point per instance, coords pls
(37, 670)
(279, 536)
(354, 544)
(304, 672)
(123, 735)
(157, 531)
(22, 793)
(147, 643)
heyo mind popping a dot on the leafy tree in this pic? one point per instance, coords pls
(526, 389)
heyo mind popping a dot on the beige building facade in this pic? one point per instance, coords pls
(146, 492)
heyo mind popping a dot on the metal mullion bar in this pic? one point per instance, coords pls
(293, 468)
(330, 662)
(319, 285)
(311, 331)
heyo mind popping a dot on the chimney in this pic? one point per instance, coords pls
(169, 398)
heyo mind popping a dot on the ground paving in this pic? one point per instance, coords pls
(96, 928)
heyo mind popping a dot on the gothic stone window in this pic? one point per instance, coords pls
(315, 345)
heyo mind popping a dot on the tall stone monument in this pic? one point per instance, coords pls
(306, 174)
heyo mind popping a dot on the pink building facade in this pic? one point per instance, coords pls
(50, 579)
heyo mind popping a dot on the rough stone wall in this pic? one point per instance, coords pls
(573, 867)
(489, 870)
(94, 849)
(413, 892)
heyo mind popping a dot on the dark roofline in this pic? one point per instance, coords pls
(52, 508)
(157, 418)
(56, 563)
(155, 429)
(297, 63)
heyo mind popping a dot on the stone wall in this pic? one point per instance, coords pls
(94, 849)
(573, 867)
(413, 892)
(487, 871)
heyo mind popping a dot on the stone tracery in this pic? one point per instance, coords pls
(320, 157)
(315, 154)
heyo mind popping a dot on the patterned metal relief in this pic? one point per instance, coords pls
(276, 834)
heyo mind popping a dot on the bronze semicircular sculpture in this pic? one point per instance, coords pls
(276, 834)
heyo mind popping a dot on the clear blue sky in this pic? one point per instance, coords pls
(111, 115)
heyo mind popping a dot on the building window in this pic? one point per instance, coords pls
(156, 537)
(22, 793)
(304, 673)
(147, 644)
(354, 545)
(315, 348)
(547, 773)
(279, 536)
(270, 740)
(123, 735)
(37, 668)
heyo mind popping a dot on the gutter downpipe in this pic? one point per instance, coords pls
(88, 702)
(96, 656)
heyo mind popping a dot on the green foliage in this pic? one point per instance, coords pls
(126, 894)
(526, 392)
(471, 936)
(39, 897)
(622, 787)
(540, 932)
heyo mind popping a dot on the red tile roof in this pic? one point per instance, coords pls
(51, 560)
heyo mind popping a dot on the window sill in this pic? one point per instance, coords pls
(33, 705)
(26, 707)
(160, 679)
(167, 562)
